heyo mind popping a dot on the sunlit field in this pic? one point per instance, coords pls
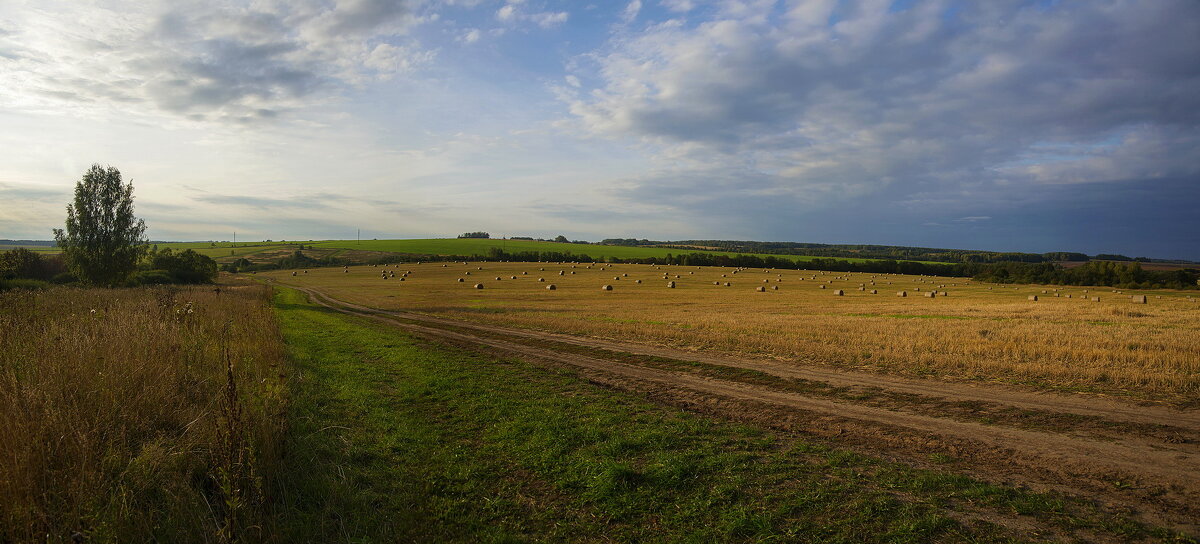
(1064, 340)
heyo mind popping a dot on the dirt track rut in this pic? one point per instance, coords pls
(1158, 479)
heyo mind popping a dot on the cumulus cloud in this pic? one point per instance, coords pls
(205, 61)
(835, 101)
(511, 13)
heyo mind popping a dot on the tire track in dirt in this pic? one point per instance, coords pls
(1166, 472)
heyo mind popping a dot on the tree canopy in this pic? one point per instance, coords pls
(103, 240)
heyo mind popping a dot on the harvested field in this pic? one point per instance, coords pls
(1136, 460)
(979, 333)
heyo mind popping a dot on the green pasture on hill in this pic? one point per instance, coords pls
(481, 246)
(450, 246)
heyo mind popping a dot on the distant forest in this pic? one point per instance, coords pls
(866, 251)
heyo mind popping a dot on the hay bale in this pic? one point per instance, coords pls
(727, 284)
(1033, 298)
(931, 294)
(560, 273)
(637, 281)
(822, 286)
(761, 289)
(1138, 299)
(479, 286)
(497, 278)
(716, 283)
(670, 285)
(874, 292)
(775, 287)
(902, 294)
(838, 292)
(512, 277)
(1095, 299)
(524, 273)
(540, 280)
(460, 280)
(551, 287)
(606, 288)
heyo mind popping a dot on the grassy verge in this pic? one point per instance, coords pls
(138, 415)
(394, 438)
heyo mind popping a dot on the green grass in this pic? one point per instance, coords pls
(396, 439)
(480, 246)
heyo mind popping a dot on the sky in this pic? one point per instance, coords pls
(999, 125)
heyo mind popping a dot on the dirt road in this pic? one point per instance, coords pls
(1139, 459)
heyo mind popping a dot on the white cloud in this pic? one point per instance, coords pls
(470, 36)
(213, 61)
(631, 11)
(548, 19)
(680, 6)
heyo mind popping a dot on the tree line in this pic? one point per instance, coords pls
(870, 251)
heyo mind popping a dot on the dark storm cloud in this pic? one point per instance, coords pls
(922, 115)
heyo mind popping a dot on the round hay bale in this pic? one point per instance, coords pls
(761, 289)
(479, 286)
(512, 277)
(551, 287)
(838, 292)
(822, 286)
(606, 288)
(540, 280)
(775, 287)
(714, 283)
(727, 284)
(460, 280)
(874, 292)
(902, 294)
(1033, 298)
(670, 285)
(637, 281)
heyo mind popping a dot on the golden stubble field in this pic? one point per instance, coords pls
(971, 331)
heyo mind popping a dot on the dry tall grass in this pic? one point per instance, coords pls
(139, 414)
(978, 332)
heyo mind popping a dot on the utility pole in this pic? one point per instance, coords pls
(360, 237)
(235, 237)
